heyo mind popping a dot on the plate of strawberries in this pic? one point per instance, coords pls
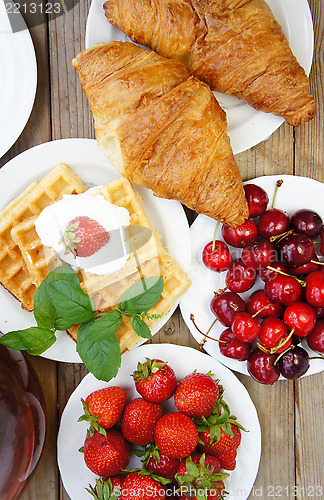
(174, 423)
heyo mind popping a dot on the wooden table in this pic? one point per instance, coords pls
(290, 413)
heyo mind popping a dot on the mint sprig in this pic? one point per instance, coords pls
(60, 302)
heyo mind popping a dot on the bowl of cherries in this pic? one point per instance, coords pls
(257, 297)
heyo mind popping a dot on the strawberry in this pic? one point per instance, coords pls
(158, 462)
(139, 485)
(106, 455)
(139, 421)
(176, 435)
(199, 476)
(106, 489)
(220, 435)
(155, 380)
(196, 395)
(84, 236)
(103, 408)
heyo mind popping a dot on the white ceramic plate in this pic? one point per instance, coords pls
(184, 360)
(246, 126)
(85, 158)
(17, 81)
(295, 193)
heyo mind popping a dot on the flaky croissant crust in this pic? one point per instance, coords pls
(236, 46)
(162, 128)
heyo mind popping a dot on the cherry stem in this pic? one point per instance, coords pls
(282, 353)
(205, 335)
(278, 184)
(317, 262)
(220, 291)
(301, 282)
(215, 233)
(317, 357)
(282, 342)
(262, 308)
(280, 236)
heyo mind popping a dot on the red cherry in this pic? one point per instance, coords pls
(258, 253)
(307, 222)
(319, 311)
(257, 199)
(239, 277)
(245, 327)
(315, 339)
(226, 305)
(322, 242)
(268, 274)
(315, 289)
(296, 249)
(301, 317)
(304, 269)
(283, 289)
(273, 333)
(233, 348)
(259, 304)
(261, 367)
(241, 235)
(272, 223)
(216, 256)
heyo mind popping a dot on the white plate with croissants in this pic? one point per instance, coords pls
(254, 64)
(41, 176)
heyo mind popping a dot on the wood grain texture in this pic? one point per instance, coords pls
(291, 414)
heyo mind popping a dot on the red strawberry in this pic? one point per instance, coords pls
(155, 380)
(223, 449)
(106, 488)
(201, 475)
(196, 395)
(157, 462)
(84, 236)
(106, 455)
(139, 485)
(139, 421)
(176, 435)
(103, 408)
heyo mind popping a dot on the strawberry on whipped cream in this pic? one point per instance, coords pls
(54, 220)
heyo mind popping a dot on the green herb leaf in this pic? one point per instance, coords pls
(140, 327)
(99, 347)
(44, 310)
(72, 304)
(142, 296)
(34, 340)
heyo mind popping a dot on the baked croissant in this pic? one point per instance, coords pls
(162, 128)
(235, 46)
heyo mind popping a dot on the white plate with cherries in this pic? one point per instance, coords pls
(256, 302)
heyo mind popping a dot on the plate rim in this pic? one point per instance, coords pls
(29, 49)
(21, 159)
(154, 350)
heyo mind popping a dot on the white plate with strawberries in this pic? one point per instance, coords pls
(183, 360)
(295, 193)
(85, 159)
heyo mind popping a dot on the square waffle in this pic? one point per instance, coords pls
(176, 282)
(14, 273)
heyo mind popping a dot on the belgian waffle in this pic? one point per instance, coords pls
(176, 282)
(14, 272)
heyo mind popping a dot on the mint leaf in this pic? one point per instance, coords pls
(44, 310)
(72, 304)
(140, 327)
(98, 346)
(142, 296)
(34, 340)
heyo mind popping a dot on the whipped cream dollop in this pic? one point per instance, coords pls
(54, 219)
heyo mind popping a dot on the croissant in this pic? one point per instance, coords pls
(235, 46)
(162, 128)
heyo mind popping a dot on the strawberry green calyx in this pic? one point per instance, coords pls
(146, 370)
(104, 490)
(70, 239)
(143, 472)
(148, 452)
(220, 418)
(92, 419)
(199, 478)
